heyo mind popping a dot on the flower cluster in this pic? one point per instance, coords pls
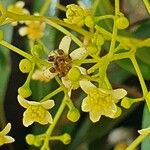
(82, 67)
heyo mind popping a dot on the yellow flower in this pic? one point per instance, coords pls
(36, 111)
(4, 139)
(75, 15)
(100, 101)
(17, 8)
(33, 29)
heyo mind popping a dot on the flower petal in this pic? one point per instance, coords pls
(9, 139)
(23, 31)
(65, 44)
(48, 104)
(15, 23)
(85, 106)
(94, 117)
(23, 102)
(110, 111)
(86, 86)
(67, 83)
(78, 53)
(118, 94)
(6, 129)
(48, 75)
(20, 4)
(48, 119)
(82, 70)
(27, 121)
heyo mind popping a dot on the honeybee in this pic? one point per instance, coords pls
(61, 63)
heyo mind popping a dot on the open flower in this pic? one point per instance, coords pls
(61, 60)
(17, 8)
(33, 29)
(4, 139)
(75, 15)
(36, 111)
(100, 101)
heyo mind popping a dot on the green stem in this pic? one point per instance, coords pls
(16, 50)
(147, 5)
(136, 142)
(53, 22)
(103, 17)
(60, 7)
(30, 74)
(45, 7)
(63, 30)
(117, 7)
(51, 127)
(52, 94)
(121, 56)
(139, 74)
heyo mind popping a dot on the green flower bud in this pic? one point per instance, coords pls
(1, 35)
(89, 22)
(37, 142)
(73, 115)
(25, 66)
(25, 91)
(30, 139)
(122, 23)
(126, 102)
(74, 74)
(118, 113)
(66, 138)
(92, 49)
(37, 50)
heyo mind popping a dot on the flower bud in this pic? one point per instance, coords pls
(37, 50)
(126, 102)
(37, 142)
(25, 66)
(99, 40)
(74, 74)
(122, 23)
(30, 138)
(89, 22)
(73, 115)
(66, 138)
(25, 91)
(118, 113)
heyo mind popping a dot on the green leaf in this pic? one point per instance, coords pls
(117, 75)
(143, 30)
(145, 68)
(5, 66)
(146, 123)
